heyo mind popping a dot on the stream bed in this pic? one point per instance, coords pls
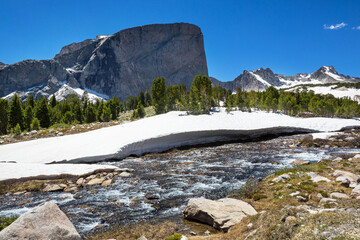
(161, 184)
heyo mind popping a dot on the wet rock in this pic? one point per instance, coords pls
(282, 178)
(298, 162)
(53, 188)
(90, 177)
(19, 193)
(80, 181)
(107, 183)
(338, 159)
(71, 189)
(183, 237)
(357, 156)
(124, 170)
(43, 222)
(317, 178)
(142, 238)
(220, 214)
(96, 181)
(207, 233)
(152, 196)
(125, 174)
(337, 195)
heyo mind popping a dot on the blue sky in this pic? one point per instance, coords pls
(288, 36)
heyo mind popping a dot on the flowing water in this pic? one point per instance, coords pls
(162, 183)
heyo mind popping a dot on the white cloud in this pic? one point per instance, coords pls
(335, 27)
(357, 28)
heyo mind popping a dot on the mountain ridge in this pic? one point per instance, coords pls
(261, 79)
(120, 64)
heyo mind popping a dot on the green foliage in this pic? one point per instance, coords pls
(6, 221)
(69, 117)
(248, 190)
(35, 124)
(106, 114)
(159, 95)
(175, 236)
(134, 115)
(16, 112)
(140, 110)
(4, 108)
(16, 130)
(200, 95)
(90, 115)
(42, 113)
(53, 101)
(28, 117)
(148, 98)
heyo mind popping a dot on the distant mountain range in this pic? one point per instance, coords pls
(261, 79)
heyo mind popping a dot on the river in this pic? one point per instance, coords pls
(162, 183)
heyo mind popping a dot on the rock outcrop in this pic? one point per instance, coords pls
(44, 222)
(220, 214)
(121, 64)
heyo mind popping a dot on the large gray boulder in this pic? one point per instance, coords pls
(121, 64)
(220, 214)
(44, 222)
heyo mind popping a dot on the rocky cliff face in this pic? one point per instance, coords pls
(119, 65)
(261, 79)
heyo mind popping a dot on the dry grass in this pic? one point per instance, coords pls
(130, 232)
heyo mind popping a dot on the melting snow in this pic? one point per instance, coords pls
(154, 134)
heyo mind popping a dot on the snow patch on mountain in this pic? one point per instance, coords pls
(260, 79)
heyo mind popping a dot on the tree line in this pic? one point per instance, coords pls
(17, 116)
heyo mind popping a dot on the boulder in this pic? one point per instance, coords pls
(337, 195)
(342, 175)
(96, 181)
(282, 178)
(356, 191)
(125, 174)
(43, 222)
(220, 214)
(107, 183)
(53, 188)
(317, 178)
(328, 200)
(80, 181)
(299, 162)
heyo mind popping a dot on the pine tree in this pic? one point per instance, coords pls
(142, 98)
(159, 95)
(106, 114)
(28, 117)
(140, 110)
(53, 101)
(99, 112)
(90, 115)
(42, 113)
(30, 101)
(148, 98)
(4, 108)
(16, 112)
(35, 124)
